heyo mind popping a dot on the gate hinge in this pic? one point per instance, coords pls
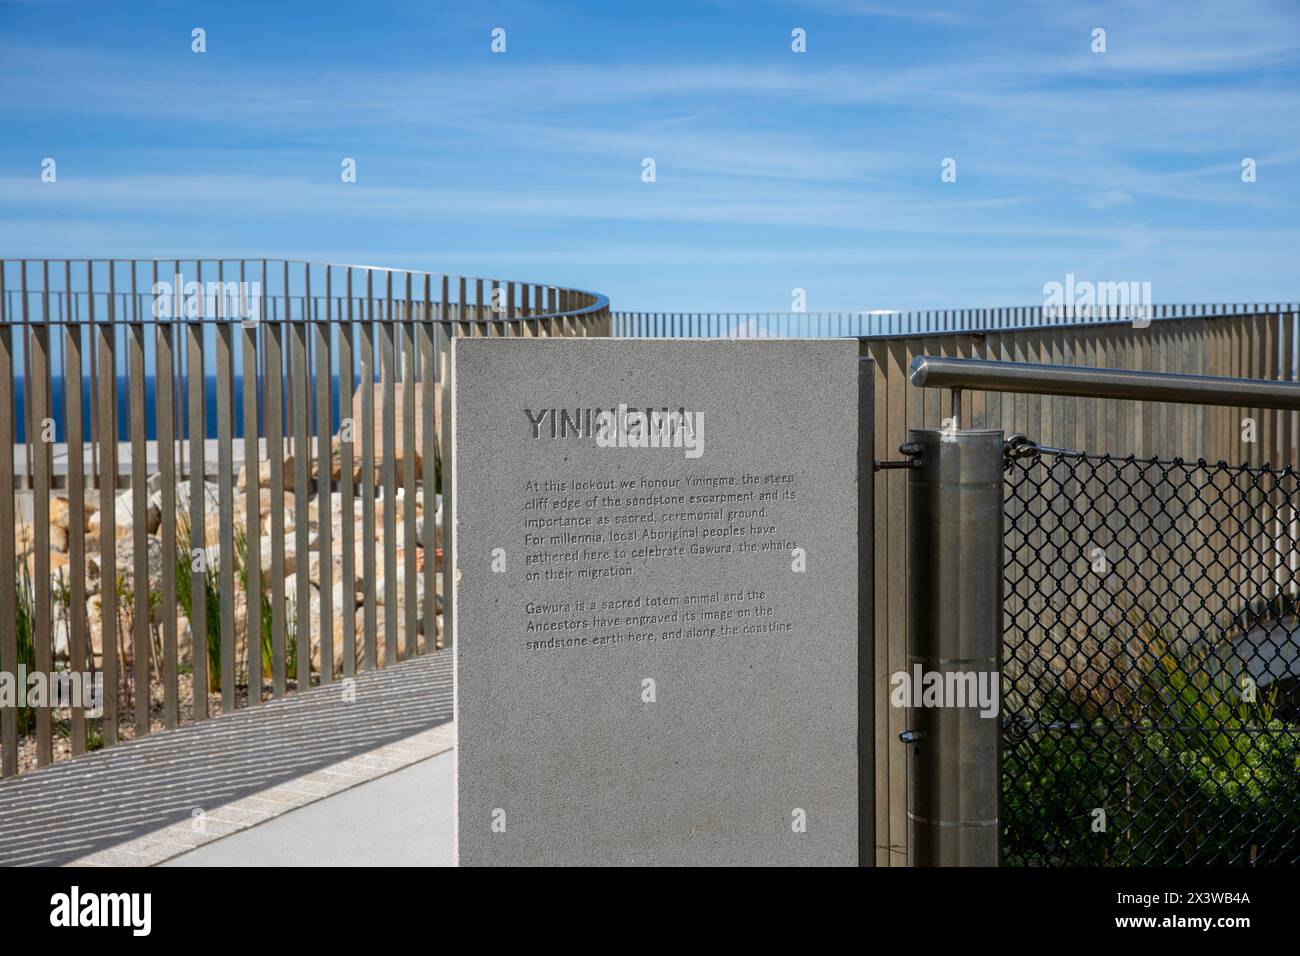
(911, 453)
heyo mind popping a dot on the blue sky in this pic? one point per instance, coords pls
(775, 170)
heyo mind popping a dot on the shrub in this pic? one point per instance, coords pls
(1186, 772)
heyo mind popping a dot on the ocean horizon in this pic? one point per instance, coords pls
(181, 406)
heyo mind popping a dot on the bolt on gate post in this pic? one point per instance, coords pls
(954, 547)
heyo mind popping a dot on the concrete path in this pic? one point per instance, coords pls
(149, 799)
(402, 819)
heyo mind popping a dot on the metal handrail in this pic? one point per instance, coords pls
(930, 371)
(37, 282)
(890, 324)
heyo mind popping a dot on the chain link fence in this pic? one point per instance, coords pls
(1152, 661)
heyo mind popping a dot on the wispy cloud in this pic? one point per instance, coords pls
(1065, 157)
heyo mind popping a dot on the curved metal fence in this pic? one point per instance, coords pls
(310, 378)
(227, 480)
(1257, 341)
(896, 323)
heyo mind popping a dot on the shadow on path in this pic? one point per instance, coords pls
(60, 813)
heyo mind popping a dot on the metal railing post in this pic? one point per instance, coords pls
(954, 548)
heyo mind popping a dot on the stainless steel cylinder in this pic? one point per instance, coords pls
(953, 678)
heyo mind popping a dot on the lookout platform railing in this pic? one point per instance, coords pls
(1240, 341)
(226, 480)
(323, 388)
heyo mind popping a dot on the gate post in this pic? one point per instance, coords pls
(954, 637)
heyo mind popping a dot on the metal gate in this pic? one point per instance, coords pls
(1151, 661)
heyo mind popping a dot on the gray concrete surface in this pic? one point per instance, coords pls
(316, 742)
(402, 819)
(674, 689)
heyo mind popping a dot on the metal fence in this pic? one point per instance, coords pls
(326, 340)
(1244, 341)
(1151, 661)
(226, 478)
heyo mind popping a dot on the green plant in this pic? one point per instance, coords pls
(212, 599)
(1186, 770)
(25, 609)
(264, 609)
(437, 466)
(155, 622)
(212, 602)
(125, 596)
(61, 595)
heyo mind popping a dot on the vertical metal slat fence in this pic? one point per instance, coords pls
(182, 465)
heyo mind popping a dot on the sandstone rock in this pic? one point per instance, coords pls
(61, 515)
(336, 463)
(336, 571)
(92, 572)
(212, 526)
(125, 502)
(24, 539)
(342, 604)
(95, 631)
(336, 468)
(58, 561)
(59, 512)
(61, 632)
(399, 581)
(264, 474)
(211, 500)
(291, 593)
(265, 547)
(123, 517)
(437, 530)
(314, 622)
(290, 517)
(347, 596)
(381, 638)
(399, 500)
(264, 504)
(125, 557)
(422, 392)
(184, 640)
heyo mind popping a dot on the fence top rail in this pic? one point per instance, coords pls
(1169, 310)
(931, 371)
(979, 321)
(1020, 449)
(110, 279)
(12, 317)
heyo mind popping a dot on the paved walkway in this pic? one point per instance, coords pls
(146, 800)
(402, 819)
